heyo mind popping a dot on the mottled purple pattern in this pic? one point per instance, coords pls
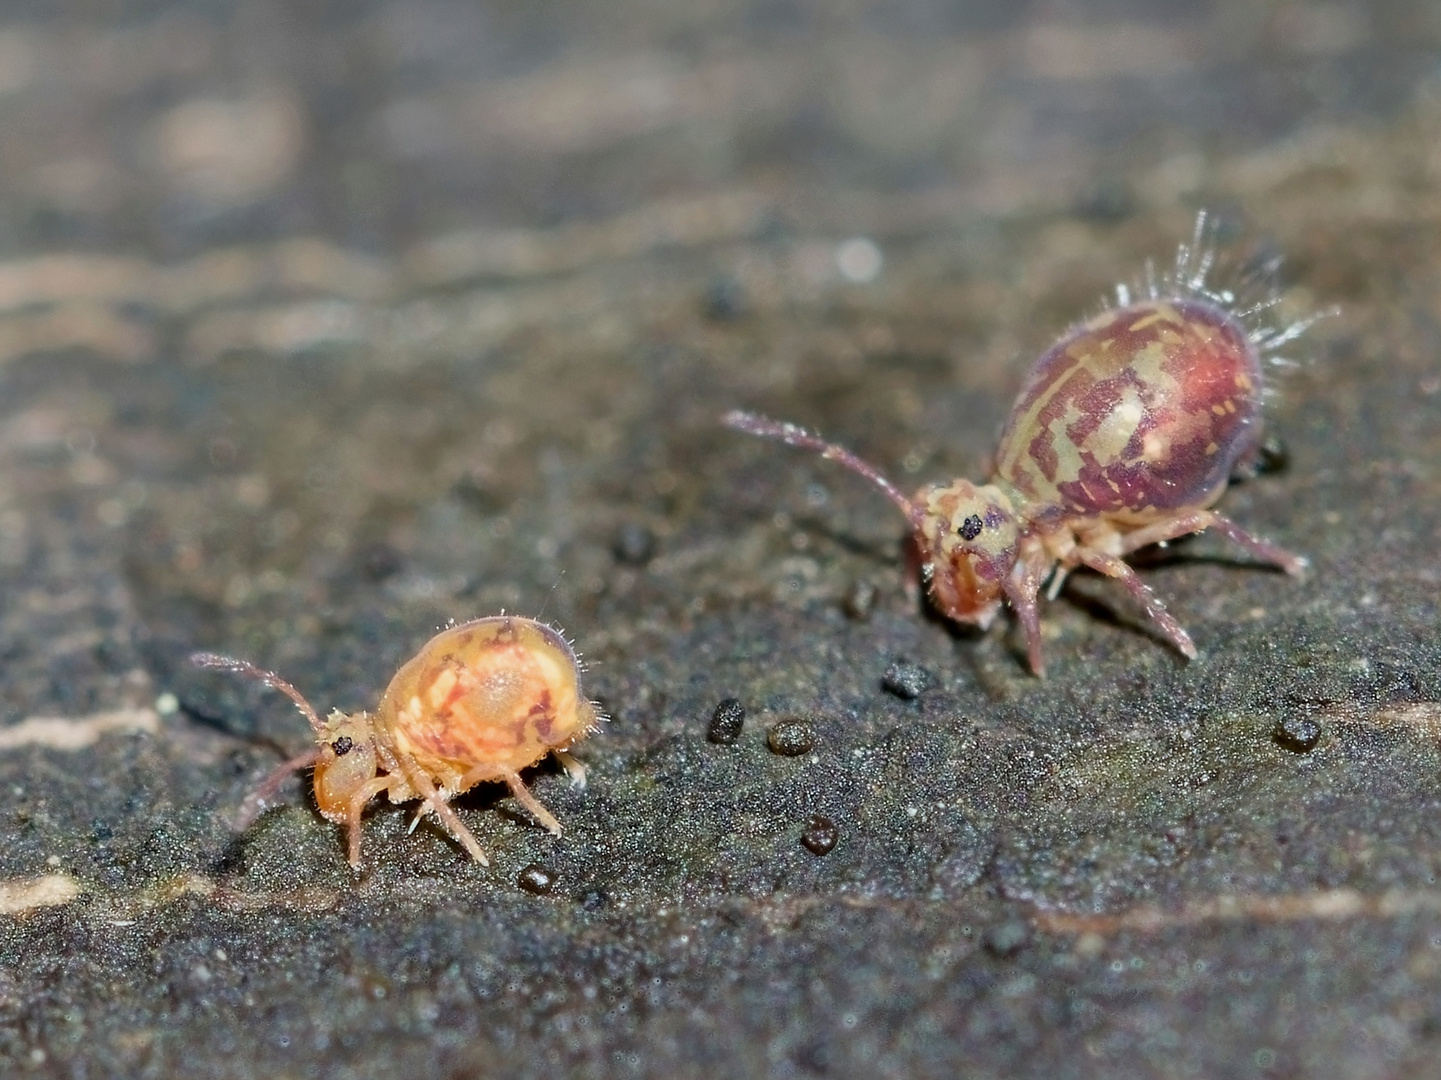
(1144, 410)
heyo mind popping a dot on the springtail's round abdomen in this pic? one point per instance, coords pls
(1143, 411)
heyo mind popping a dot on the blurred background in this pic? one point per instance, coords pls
(166, 129)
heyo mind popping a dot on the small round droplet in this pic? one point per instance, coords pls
(859, 260)
(1299, 734)
(906, 680)
(791, 737)
(634, 544)
(820, 835)
(536, 879)
(860, 600)
(726, 722)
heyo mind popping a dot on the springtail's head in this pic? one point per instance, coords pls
(967, 538)
(966, 535)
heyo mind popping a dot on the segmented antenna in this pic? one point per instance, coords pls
(795, 435)
(217, 662)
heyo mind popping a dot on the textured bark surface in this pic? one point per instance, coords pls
(321, 325)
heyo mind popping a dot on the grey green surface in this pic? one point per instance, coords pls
(323, 324)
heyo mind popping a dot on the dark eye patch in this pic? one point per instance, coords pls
(971, 527)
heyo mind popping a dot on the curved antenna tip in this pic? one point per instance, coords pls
(216, 662)
(795, 435)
